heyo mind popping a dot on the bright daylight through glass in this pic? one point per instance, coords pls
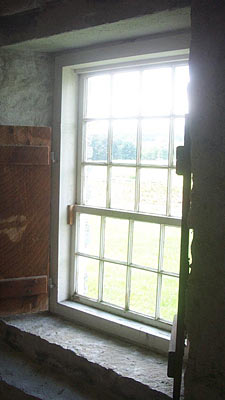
(129, 196)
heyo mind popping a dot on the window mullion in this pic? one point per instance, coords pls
(81, 140)
(160, 267)
(137, 180)
(74, 248)
(109, 168)
(171, 146)
(138, 154)
(108, 189)
(171, 142)
(129, 260)
(168, 195)
(109, 149)
(101, 262)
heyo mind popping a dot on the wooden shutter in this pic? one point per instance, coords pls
(24, 218)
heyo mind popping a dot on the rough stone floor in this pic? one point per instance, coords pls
(83, 362)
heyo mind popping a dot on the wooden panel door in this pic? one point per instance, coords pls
(24, 218)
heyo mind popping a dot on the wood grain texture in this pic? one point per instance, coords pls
(23, 305)
(25, 135)
(24, 155)
(23, 287)
(24, 213)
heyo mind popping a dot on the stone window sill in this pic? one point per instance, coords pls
(85, 354)
(152, 338)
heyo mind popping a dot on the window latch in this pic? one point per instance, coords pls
(183, 161)
(70, 214)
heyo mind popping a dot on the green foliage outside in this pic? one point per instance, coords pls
(124, 150)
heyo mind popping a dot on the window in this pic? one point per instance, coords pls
(125, 248)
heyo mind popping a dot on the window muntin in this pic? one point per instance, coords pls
(127, 260)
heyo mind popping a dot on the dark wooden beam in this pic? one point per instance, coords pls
(63, 16)
(11, 7)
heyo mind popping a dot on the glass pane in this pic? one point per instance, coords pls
(176, 194)
(114, 284)
(125, 94)
(169, 298)
(156, 92)
(155, 141)
(98, 96)
(94, 190)
(123, 188)
(96, 141)
(171, 258)
(181, 83)
(116, 237)
(143, 291)
(87, 277)
(124, 141)
(179, 124)
(89, 234)
(153, 190)
(146, 244)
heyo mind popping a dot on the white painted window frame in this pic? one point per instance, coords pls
(170, 48)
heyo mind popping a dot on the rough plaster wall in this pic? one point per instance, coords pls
(205, 376)
(26, 88)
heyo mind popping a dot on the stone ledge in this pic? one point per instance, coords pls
(90, 359)
(151, 338)
(23, 379)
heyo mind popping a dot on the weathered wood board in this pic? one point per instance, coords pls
(24, 218)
